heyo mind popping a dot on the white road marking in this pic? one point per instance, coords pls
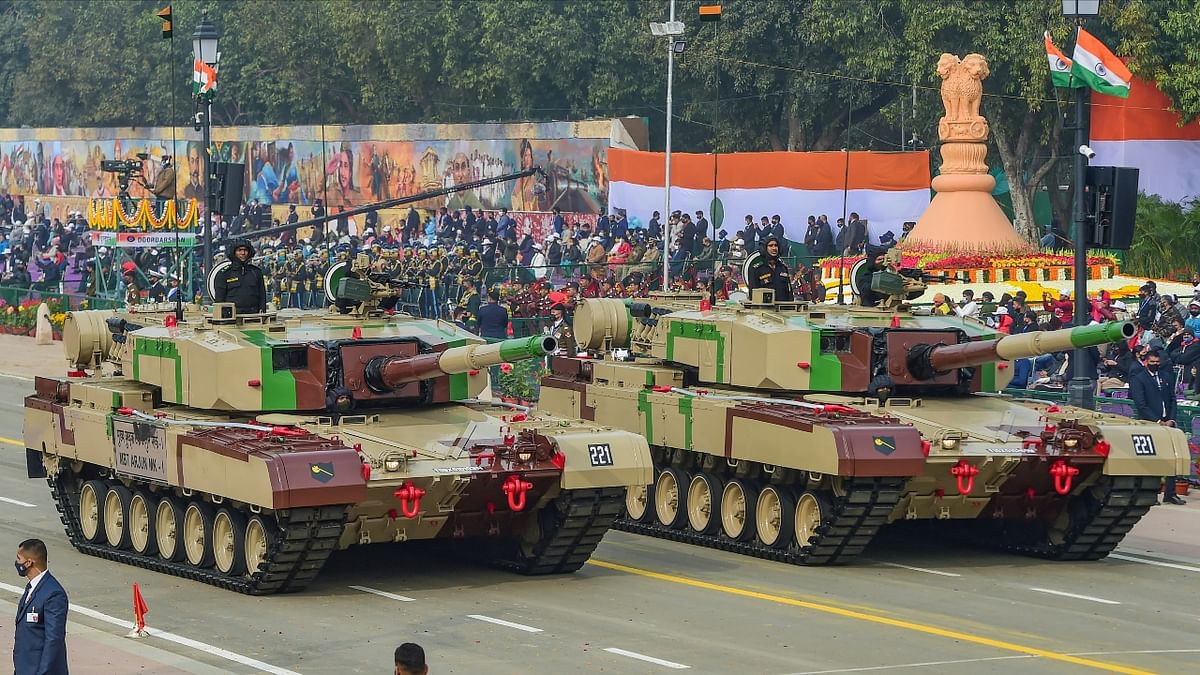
(18, 503)
(1074, 595)
(649, 659)
(376, 591)
(502, 622)
(1174, 566)
(17, 377)
(921, 569)
(172, 637)
(916, 665)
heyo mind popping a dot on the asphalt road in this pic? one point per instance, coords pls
(916, 604)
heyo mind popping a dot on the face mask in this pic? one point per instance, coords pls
(20, 568)
(1152, 367)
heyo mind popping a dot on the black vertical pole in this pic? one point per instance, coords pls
(1081, 389)
(206, 110)
(716, 106)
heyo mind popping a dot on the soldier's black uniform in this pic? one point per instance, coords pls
(776, 277)
(242, 283)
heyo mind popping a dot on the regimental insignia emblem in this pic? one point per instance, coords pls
(322, 471)
(885, 444)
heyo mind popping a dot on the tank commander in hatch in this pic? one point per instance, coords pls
(771, 272)
(875, 263)
(241, 282)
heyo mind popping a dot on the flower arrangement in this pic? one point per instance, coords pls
(520, 381)
(959, 260)
(21, 318)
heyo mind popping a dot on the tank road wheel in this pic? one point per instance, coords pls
(774, 516)
(197, 533)
(257, 542)
(91, 524)
(738, 501)
(168, 521)
(811, 510)
(637, 503)
(670, 499)
(702, 503)
(116, 516)
(141, 524)
(229, 538)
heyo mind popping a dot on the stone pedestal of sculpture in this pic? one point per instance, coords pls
(963, 214)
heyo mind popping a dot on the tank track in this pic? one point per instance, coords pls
(298, 550)
(855, 519)
(572, 526)
(1101, 517)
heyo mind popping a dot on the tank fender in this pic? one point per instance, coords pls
(604, 459)
(1145, 449)
(319, 478)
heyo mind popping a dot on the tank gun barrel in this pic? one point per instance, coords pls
(385, 373)
(941, 358)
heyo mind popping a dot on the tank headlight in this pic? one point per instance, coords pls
(524, 457)
(949, 443)
(391, 465)
(1070, 442)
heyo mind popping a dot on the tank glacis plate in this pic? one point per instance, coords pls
(794, 432)
(379, 440)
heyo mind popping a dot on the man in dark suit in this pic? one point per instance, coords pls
(493, 319)
(1153, 394)
(40, 640)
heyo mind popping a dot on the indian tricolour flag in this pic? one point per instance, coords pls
(204, 78)
(1099, 68)
(1143, 131)
(885, 188)
(1060, 66)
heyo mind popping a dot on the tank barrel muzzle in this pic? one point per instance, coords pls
(941, 358)
(386, 373)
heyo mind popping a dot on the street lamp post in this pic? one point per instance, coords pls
(1081, 388)
(204, 49)
(671, 30)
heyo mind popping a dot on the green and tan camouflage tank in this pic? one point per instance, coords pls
(795, 432)
(242, 450)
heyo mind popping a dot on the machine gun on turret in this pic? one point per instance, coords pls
(357, 290)
(901, 284)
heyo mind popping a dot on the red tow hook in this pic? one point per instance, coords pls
(1063, 474)
(410, 499)
(964, 469)
(516, 488)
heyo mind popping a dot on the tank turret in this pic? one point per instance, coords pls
(386, 373)
(259, 363)
(821, 348)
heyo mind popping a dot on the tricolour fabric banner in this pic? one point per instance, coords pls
(885, 188)
(1142, 131)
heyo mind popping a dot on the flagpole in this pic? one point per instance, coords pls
(1081, 389)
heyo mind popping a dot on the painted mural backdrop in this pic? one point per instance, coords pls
(296, 165)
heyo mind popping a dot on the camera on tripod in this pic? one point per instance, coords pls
(126, 170)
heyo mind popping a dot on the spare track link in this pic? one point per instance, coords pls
(1106, 514)
(297, 552)
(582, 517)
(855, 519)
